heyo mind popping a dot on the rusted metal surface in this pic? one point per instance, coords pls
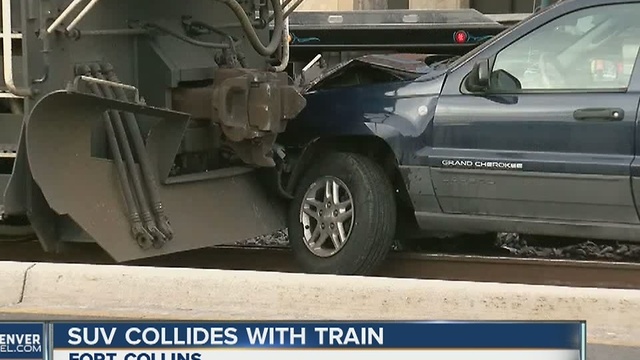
(513, 270)
(252, 107)
(399, 265)
(196, 101)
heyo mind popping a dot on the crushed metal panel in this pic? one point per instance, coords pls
(408, 63)
(413, 63)
(202, 214)
(327, 73)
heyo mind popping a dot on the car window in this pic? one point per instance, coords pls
(593, 48)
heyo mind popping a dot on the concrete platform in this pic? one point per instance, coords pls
(114, 292)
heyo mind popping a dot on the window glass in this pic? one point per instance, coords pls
(594, 48)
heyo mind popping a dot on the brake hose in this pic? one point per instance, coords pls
(245, 22)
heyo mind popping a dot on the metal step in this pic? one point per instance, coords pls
(14, 35)
(8, 151)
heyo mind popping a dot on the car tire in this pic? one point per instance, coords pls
(362, 240)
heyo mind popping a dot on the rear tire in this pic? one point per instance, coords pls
(358, 228)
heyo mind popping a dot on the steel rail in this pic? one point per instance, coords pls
(399, 265)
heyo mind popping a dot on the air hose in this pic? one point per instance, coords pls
(245, 22)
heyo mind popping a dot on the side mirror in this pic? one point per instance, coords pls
(478, 80)
(506, 82)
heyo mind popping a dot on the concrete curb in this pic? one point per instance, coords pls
(99, 291)
(13, 277)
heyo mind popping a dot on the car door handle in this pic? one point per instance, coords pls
(599, 114)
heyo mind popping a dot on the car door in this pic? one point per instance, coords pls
(553, 134)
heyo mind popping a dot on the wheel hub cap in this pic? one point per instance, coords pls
(326, 215)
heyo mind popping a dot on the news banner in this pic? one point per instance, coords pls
(292, 340)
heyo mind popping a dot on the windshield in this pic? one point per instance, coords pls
(591, 48)
(592, 31)
(463, 59)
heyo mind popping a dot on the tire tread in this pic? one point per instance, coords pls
(375, 182)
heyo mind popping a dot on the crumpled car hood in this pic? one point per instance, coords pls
(412, 65)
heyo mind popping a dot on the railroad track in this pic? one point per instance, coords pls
(399, 265)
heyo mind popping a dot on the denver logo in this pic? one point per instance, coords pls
(20, 343)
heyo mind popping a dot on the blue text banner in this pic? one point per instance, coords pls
(284, 340)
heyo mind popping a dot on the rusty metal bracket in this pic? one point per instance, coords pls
(252, 107)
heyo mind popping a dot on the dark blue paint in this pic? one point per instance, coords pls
(428, 120)
(425, 335)
(539, 131)
(14, 344)
(400, 113)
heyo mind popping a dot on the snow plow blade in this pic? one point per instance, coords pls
(214, 208)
